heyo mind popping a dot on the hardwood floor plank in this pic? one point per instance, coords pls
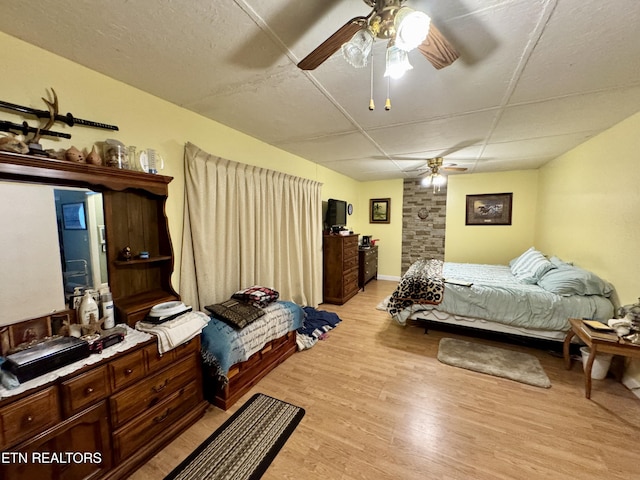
(381, 406)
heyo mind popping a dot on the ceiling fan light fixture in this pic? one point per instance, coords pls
(356, 51)
(412, 27)
(397, 62)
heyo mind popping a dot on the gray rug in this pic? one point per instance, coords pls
(499, 362)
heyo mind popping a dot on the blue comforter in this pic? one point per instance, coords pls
(224, 346)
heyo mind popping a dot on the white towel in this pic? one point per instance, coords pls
(177, 331)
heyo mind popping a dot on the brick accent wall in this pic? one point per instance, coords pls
(422, 237)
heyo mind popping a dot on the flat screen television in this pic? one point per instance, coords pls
(336, 213)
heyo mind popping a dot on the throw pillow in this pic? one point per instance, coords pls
(236, 313)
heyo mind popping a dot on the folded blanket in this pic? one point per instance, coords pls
(422, 283)
(177, 331)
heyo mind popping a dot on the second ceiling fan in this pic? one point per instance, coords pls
(403, 27)
(434, 178)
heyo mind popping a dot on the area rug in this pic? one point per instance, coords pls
(245, 445)
(499, 362)
(383, 304)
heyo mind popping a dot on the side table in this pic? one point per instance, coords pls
(598, 342)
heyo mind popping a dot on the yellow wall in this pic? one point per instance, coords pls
(146, 122)
(589, 207)
(389, 234)
(491, 244)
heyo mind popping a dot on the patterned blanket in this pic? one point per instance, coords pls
(422, 283)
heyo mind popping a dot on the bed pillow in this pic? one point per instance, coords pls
(560, 263)
(235, 312)
(530, 266)
(257, 296)
(569, 280)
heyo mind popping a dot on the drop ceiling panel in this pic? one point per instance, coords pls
(271, 110)
(562, 116)
(535, 148)
(588, 45)
(439, 134)
(332, 148)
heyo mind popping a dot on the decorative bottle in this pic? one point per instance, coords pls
(107, 310)
(88, 308)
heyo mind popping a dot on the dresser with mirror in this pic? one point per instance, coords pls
(117, 411)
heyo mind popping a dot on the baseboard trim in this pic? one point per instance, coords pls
(388, 277)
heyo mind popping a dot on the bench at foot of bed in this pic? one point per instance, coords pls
(244, 375)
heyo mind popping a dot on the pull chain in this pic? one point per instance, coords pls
(387, 104)
(372, 105)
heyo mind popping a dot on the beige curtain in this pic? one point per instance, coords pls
(245, 225)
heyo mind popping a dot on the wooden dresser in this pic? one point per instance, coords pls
(120, 411)
(368, 265)
(104, 420)
(340, 268)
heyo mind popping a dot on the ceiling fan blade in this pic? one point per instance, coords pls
(332, 44)
(437, 49)
(455, 169)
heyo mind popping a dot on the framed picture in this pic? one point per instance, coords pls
(380, 210)
(489, 209)
(73, 216)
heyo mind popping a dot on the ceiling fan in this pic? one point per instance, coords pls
(403, 27)
(435, 178)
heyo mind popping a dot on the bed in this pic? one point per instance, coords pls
(235, 359)
(523, 298)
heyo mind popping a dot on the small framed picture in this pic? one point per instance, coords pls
(26, 332)
(380, 210)
(489, 209)
(73, 216)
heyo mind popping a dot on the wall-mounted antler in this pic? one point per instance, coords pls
(53, 112)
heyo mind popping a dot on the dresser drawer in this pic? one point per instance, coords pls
(151, 391)
(155, 361)
(29, 416)
(192, 346)
(84, 390)
(141, 431)
(350, 263)
(126, 370)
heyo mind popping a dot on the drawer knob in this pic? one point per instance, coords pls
(88, 391)
(29, 419)
(128, 371)
(159, 388)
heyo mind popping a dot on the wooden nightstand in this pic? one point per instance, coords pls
(598, 342)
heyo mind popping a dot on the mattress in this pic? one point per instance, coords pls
(492, 293)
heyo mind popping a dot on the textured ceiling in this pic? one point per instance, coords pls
(534, 79)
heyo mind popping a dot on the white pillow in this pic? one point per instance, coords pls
(530, 266)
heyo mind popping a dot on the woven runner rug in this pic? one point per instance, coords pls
(245, 445)
(500, 362)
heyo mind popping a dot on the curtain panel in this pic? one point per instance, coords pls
(245, 225)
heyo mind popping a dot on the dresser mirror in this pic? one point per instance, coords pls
(52, 241)
(82, 239)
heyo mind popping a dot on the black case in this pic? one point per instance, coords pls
(46, 357)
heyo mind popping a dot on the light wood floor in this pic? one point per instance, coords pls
(379, 405)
